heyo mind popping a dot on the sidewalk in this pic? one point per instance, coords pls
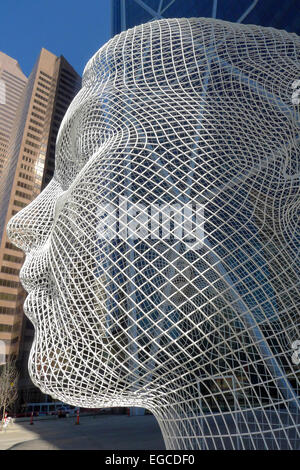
(108, 432)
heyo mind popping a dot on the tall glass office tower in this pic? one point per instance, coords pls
(274, 13)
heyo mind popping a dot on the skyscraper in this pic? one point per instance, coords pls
(275, 13)
(51, 86)
(12, 84)
(65, 84)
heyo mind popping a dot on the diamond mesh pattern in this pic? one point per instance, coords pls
(180, 125)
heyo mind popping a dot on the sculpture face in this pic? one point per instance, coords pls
(132, 297)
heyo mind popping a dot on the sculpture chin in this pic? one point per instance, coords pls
(99, 398)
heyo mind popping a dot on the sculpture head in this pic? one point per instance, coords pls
(170, 224)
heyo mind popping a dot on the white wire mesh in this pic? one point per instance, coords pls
(179, 123)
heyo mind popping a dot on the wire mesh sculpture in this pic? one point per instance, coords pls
(163, 259)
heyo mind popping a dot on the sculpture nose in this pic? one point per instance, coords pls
(30, 228)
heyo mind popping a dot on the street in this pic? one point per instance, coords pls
(108, 432)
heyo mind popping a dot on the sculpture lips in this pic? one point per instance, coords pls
(33, 304)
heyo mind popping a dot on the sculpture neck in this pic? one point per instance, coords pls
(181, 426)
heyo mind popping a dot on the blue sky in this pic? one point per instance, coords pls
(72, 28)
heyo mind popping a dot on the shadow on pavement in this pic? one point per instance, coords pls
(106, 432)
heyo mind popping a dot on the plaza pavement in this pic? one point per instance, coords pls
(121, 432)
(107, 432)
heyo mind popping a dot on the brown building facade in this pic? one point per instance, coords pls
(51, 86)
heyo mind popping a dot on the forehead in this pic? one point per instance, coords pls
(177, 43)
(166, 72)
(197, 56)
